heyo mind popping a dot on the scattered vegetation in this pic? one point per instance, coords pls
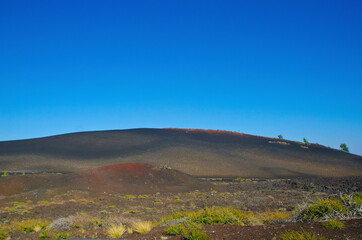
(129, 197)
(214, 215)
(280, 136)
(3, 234)
(305, 141)
(63, 235)
(333, 224)
(274, 217)
(303, 235)
(29, 225)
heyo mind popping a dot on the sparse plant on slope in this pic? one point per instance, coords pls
(280, 136)
(305, 141)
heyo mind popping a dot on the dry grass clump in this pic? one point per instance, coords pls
(142, 226)
(116, 231)
(274, 217)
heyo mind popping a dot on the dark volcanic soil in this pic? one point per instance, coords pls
(132, 178)
(256, 196)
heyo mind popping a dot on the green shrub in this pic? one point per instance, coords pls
(44, 235)
(333, 224)
(344, 147)
(30, 225)
(63, 235)
(322, 208)
(343, 206)
(214, 215)
(174, 230)
(294, 235)
(3, 234)
(191, 231)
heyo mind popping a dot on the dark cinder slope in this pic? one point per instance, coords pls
(129, 178)
(196, 152)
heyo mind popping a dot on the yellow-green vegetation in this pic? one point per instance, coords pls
(345, 205)
(17, 206)
(63, 235)
(191, 231)
(333, 224)
(303, 235)
(116, 231)
(274, 217)
(103, 212)
(129, 230)
(11, 209)
(129, 197)
(230, 215)
(5, 174)
(3, 234)
(30, 225)
(142, 226)
(82, 201)
(46, 202)
(214, 215)
(21, 205)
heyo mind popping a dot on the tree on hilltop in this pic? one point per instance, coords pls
(344, 147)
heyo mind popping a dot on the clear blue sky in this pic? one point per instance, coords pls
(258, 67)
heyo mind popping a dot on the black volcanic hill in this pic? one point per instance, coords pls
(196, 152)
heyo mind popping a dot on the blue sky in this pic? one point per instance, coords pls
(258, 67)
